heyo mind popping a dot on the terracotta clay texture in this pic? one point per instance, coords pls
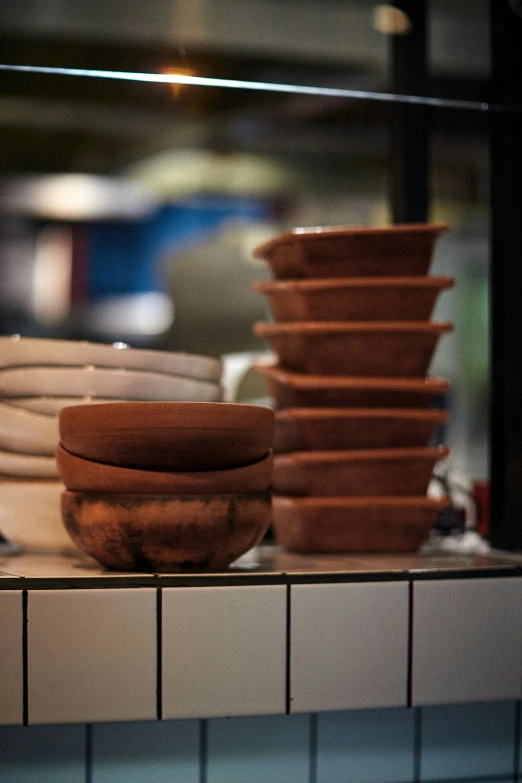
(401, 250)
(81, 475)
(354, 299)
(376, 349)
(169, 436)
(326, 429)
(291, 389)
(377, 524)
(162, 533)
(360, 473)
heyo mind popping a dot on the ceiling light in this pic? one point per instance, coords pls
(390, 20)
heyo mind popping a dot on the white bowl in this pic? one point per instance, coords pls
(17, 351)
(51, 406)
(27, 465)
(30, 515)
(27, 432)
(104, 382)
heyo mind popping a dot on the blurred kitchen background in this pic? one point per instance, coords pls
(128, 211)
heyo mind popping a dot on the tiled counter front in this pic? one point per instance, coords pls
(293, 635)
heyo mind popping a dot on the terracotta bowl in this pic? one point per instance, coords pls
(379, 349)
(27, 432)
(104, 382)
(375, 524)
(81, 475)
(165, 533)
(290, 390)
(169, 435)
(326, 429)
(30, 516)
(400, 250)
(354, 299)
(24, 351)
(360, 473)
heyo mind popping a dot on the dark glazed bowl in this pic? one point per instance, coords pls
(291, 389)
(161, 533)
(387, 349)
(165, 436)
(375, 524)
(353, 299)
(327, 429)
(358, 473)
(400, 250)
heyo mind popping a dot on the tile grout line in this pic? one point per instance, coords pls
(159, 653)
(312, 758)
(25, 660)
(516, 751)
(409, 675)
(203, 751)
(288, 694)
(417, 744)
(88, 753)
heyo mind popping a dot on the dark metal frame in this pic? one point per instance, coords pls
(409, 192)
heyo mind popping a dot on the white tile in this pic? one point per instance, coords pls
(223, 651)
(92, 655)
(467, 640)
(11, 666)
(349, 646)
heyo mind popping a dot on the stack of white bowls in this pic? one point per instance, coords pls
(39, 377)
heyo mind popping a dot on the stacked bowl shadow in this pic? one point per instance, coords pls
(39, 377)
(353, 336)
(166, 486)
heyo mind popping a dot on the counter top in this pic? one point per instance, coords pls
(263, 565)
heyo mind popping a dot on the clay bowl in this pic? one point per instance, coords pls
(104, 382)
(169, 435)
(375, 524)
(165, 533)
(359, 473)
(291, 390)
(400, 250)
(27, 432)
(353, 299)
(81, 475)
(30, 516)
(363, 348)
(327, 429)
(23, 351)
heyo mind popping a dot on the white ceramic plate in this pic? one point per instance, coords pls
(27, 466)
(19, 351)
(51, 406)
(30, 516)
(27, 432)
(104, 382)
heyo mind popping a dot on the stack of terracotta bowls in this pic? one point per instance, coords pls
(38, 377)
(354, 341)
(166, 486)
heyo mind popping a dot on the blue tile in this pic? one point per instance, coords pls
(365, 746)
(146, 752)
(42, 754)
(267, 749)
(466, 740)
